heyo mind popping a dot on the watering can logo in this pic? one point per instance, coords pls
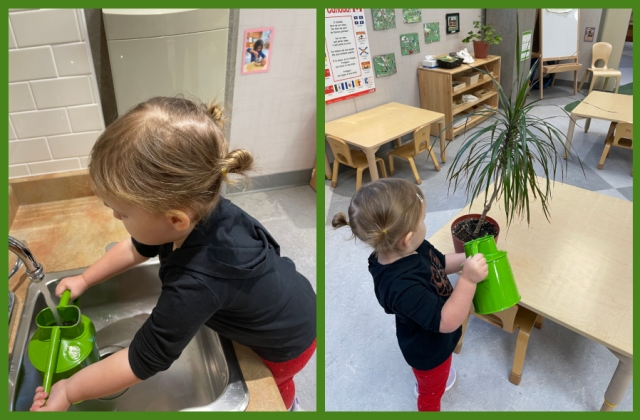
(59, 351)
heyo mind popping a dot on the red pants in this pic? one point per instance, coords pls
(283, 373)
(431, 386)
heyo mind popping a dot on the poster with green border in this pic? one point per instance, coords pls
(409, 44)
(412, 15)
(383, 19)
(525, 48)
(431, 32)
(385, 65)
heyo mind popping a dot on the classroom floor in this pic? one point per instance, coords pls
(563, 371)
(289, 214)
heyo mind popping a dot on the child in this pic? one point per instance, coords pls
(257, 55)
(160, 168)
(410, 280)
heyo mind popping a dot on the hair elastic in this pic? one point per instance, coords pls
(224, 172)
(384, 231)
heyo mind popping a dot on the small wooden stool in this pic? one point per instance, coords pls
(619, 135)
(516, 317)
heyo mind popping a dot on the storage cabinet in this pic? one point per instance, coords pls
(437, 92)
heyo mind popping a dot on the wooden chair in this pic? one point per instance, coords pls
(353, 158)
(619, 135)
(421, 142)
(511, 319)
(601, 51)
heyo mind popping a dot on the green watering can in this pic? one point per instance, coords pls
(498, 291)
(58, 352)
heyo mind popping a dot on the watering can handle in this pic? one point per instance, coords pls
(64, 299)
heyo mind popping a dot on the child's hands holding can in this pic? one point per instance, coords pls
(475, 268)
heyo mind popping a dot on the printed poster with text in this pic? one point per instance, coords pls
(348, 67)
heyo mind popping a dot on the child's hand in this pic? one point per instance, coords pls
(77, 285)
(255, 54)
(57, 399)
(475, 268)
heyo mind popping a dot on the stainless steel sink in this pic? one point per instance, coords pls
(206, 377)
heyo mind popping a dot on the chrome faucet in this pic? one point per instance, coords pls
(35, 271)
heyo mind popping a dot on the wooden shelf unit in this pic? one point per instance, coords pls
(436, 92)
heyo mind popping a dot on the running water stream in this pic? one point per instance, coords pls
(47, 297)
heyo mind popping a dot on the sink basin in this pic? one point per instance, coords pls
(206, 377)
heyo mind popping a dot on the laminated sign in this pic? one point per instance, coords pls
(348, 65)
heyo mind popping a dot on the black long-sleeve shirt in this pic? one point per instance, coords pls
(414, 289)
(228, 275)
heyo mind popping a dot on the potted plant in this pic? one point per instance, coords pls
(499, 160)
(484, 36)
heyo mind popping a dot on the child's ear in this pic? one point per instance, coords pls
(180, 220)
(406, 240)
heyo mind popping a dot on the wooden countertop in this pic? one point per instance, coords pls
(67, 229)
(464, 67)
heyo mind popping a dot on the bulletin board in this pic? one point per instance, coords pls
(348, 64)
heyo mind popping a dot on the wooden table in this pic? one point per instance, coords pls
(576, 270)
(370, 129)
(601, 106)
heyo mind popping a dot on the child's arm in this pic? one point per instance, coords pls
(456, 308)
(120, 258)
(114, 375)
(454, 262)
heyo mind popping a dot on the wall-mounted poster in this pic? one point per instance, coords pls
(453, 23)
(431, 32)
(588, 34)
(409, 44)
(257, 51)
(412, 15)
(348, 65)
(385, 65)
(383, 19)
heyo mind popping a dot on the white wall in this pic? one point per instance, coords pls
(589, 18)
(54, 108)
(402, 87)
(274, 113)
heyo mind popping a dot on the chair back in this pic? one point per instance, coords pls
(624, 135)
(421, 138)
(340, 150)
(601, 51)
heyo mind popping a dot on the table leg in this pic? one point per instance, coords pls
(443, 152)
(619, 382)
(371, 158)
(567, 145)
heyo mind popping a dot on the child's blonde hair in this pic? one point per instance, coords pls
(382, 212)
(166, 154)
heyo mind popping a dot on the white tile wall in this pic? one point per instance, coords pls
(61, 92)
(28, 151)
(54, 166)
(20, 98)
(85, 118)
(12, 39)
(40, 123)
(31, 64)
(274, 113)
(12, 132)
(72, 59)
(45, 27)
(72, 145)
(54, 110)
